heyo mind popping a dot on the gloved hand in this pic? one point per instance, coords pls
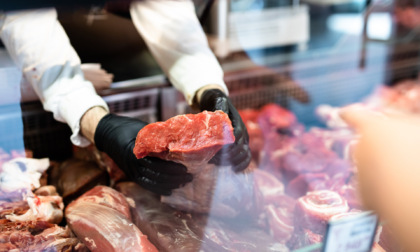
(116, 136)
(237, 154)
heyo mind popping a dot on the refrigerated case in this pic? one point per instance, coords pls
(300, 147)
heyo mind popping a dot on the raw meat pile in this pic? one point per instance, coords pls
(193, 140)
(28, 220)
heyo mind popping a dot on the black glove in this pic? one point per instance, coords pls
(116, 136)
(237, 154)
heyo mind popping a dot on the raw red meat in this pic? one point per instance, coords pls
(280, 222)
(315, 209)
(100, 220)
(307, 182)
(37, 236)
(193, 140)
(256, 139)
(172, 230)
(186, 138)
(273, 117)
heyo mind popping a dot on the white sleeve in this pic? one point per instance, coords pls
(173, 34)
(41, 49)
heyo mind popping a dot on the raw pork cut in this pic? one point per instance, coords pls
(315, 209)
(37, 236)
(100, 219)
(172, 230)
(193, 140)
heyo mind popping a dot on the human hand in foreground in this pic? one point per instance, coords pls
(388, 161)
(238, 154)
(116, 136)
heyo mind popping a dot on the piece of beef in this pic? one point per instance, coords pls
(193, 140)
(173, 230)
(37, 236)
(256, 138)
(307, 182)
(273, 117)
(313, 210)
(100, 220)
(190, 138)
(75, 177)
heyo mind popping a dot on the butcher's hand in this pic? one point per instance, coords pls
(116, 136)
(238, 154)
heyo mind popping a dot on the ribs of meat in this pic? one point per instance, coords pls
(100, 218)
(192, 140)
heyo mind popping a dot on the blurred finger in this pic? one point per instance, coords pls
(152, 186)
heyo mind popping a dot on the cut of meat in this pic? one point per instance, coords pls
(315, 209)
(173, 230)
(350, 193)
(99, 219)
(16, 208)
(307, 182)
(75, 177)
(108, 197)
(186, 138)
(193, 140)
(256, 139)
(37, 236)
(280, 222)
(273, 117)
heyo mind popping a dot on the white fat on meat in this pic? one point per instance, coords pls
(46, 208)
(22, 173)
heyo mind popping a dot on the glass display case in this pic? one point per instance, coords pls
(289, 67)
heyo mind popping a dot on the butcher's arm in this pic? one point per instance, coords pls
(174, 36)
(388, 161)
(41, 49)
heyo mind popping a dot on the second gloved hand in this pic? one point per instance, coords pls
(237, 154)
(116, 136)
